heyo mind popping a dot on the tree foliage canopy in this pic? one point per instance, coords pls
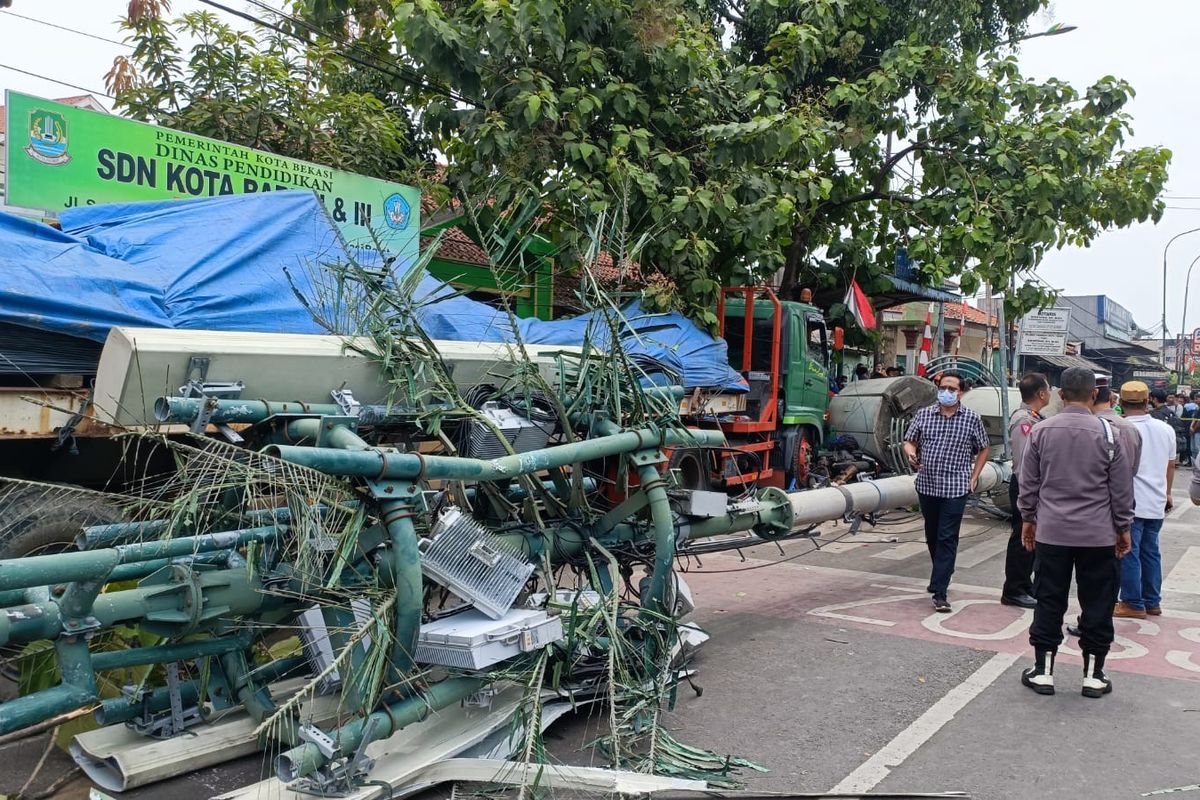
(267, 91)
(739, 137)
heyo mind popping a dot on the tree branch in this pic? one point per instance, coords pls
(726, 12)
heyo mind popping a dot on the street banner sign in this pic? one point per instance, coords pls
(1033, 343)
(58, 156)
(1047, 320)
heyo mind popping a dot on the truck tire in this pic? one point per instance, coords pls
(33, 524)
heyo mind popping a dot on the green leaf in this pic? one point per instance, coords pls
(532, 106)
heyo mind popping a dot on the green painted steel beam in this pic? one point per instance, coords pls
(161, 654)
(414, 466)
(97, 565)
(306, 758)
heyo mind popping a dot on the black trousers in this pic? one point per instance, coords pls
(1097, 578)
(943, 518)
(1018, 562)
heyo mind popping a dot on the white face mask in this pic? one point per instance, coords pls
(947, 397)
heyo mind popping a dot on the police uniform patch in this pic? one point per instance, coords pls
(1026, 427)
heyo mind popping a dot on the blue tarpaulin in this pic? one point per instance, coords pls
(236, 263)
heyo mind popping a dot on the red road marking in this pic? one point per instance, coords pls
(1162, 646)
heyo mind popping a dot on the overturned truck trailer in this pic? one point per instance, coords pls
(369, 550)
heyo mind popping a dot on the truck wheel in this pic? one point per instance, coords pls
(33, 524)
(802, 462)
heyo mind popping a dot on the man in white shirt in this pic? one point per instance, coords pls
(1141, 570)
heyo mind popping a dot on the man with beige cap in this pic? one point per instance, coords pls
(1141, 570)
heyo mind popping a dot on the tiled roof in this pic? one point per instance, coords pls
(954, 311)
(457, 246)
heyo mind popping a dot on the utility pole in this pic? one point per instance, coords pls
(1003, 377)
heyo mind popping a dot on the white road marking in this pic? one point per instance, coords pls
(1185, 575)
(900, 582)
(1180, 509)
(831, 611)
(936, 622)
(908, 741)
(902, 551)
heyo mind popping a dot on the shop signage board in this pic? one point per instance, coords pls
(58, 156)
(1044, 332)
(1047, 320)
(1042, 344)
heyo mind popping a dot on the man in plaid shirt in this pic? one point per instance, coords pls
(947, 445)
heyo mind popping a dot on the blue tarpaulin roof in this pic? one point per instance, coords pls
(235, 264)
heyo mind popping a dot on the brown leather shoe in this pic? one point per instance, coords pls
(1154, 612)
(1125, 610)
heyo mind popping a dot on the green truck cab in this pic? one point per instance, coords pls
(783, 353)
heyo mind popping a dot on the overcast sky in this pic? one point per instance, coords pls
(1148, 44)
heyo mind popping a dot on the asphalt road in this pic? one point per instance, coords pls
(830, 669)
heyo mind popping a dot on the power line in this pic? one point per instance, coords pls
(412, 78)
(68, 30)
(56, 80)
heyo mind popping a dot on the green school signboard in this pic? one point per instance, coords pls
(59, 156)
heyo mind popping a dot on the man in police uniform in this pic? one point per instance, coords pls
(1077, 501)
(1018, 562)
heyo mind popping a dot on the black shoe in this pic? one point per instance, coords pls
(941, 604)
(1022, 600)
(1095, 682)
(1040, 677)
(1073, 630)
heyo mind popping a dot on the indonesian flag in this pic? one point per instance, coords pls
(860, 307)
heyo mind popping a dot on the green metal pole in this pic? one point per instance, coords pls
(413, 466)
(404, 557)
(664, 536)
(306, 758)
(178, 410)
(33, 708)
(123, 709)
(140, 656)
(97, 536)
(231, 591)
(91, 565)
(408, 582)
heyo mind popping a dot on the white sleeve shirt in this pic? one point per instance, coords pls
(1150, 481)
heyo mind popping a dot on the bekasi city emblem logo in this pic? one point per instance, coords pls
(47, 137)
(396, 212)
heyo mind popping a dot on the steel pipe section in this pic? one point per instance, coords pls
(413, 466)
(815, 506)
(182, 410)
(231, 590)
(307, 758)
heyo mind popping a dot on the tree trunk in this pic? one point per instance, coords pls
(789, 287)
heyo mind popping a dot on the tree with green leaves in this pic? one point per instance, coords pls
(811, 139)
(268, 90)
(744, 141)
